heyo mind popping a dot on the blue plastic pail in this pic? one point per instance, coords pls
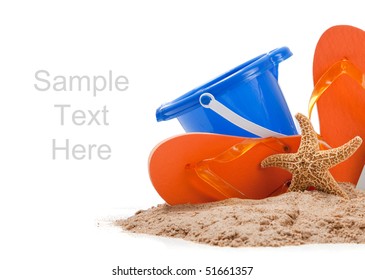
(246, 101)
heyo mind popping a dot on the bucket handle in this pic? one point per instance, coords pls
(207, 100)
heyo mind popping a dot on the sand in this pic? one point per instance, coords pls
(289, 219)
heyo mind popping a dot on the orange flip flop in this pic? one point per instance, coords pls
(204, 167)
(339, 92)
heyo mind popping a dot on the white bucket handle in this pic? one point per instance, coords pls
(207, 100)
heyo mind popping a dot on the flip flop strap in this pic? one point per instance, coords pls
(203, 171)
(342, 67)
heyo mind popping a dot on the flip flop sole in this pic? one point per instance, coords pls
(341, 108)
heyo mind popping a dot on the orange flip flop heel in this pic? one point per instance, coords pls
(339, 92)
(202, 167)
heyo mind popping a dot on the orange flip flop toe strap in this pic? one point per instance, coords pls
(204, 172)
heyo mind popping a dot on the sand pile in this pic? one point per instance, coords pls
(290, 219)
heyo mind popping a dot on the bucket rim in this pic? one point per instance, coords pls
(245, 72)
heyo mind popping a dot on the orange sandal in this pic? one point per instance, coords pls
(339, 92)
(203, 167)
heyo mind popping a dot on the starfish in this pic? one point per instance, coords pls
(310, 165)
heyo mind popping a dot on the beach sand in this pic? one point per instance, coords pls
(292, 218)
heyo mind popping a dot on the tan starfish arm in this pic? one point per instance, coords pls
(296, 185)
(284, 161)
(329, 185)
(309, 140)
(332, 157)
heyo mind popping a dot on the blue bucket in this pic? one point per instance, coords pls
(246, 101)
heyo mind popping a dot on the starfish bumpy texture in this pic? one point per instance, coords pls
(310, 165)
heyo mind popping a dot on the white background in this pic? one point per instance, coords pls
(50, 209)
